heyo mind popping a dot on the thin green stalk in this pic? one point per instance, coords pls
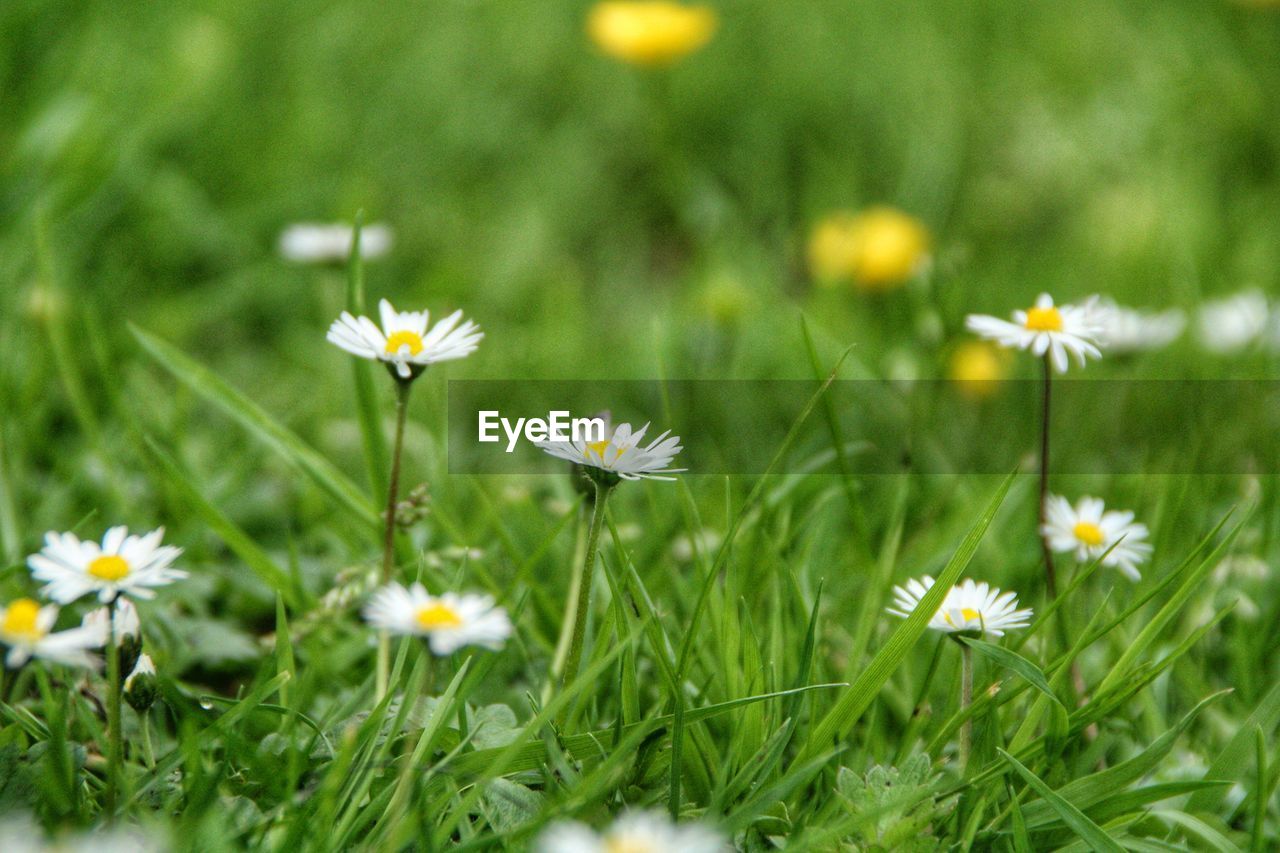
(1051, 580)
(966, 699)
(571, 600)
(583, 582)
(389, 534)
(114, 742)
(148, 752)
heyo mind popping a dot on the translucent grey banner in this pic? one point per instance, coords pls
(884, 427)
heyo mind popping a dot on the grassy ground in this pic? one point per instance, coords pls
(603, 222)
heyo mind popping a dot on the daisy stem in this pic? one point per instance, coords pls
(966, 699)
(571, 601)
(389, 534)
(1051, 579)
(114, 743)
(583, 581)
(148, 752)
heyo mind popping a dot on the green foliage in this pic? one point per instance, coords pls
(896, 809)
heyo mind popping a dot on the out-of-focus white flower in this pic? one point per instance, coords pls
(1244, 567)
(970, 607)
(403, 342)
(25, 626)
(448, 622)
(685, 547)
(621, 454)
(121, 565)
(1045, 328)
(1225, 326)
(316, 243)
(1088, 529)
(1130, 330)
(20, 834)
(634, 832)
(126, 621)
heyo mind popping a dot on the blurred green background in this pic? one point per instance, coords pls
(1122, 147)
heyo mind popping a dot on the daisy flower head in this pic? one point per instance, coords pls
(140, 688)
(1126, 330)
(25, 627)
(970, 608)
(621, 455)
(404, 342)
(633, 832)
(126, 622)
(1045, 329)
(447, 622)
(143, 668)
(128, 630)
(19, 833)
(322, 243)
(1226, 326)
(120, 565)
(1089, 529)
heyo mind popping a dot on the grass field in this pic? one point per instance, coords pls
(164, 365)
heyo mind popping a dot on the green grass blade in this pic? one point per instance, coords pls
(850, 707)
(1098, 787)
(1089, 832)
(1015, 663)
(374, 440)
(1152, 629)
(1234, 756)
(240, 543)
(251, 416)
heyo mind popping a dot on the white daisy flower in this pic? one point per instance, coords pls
(973, 607)
(126, 621)
(448, 622)
(19, 833)
(634, 832)
(24, 628)
(622, 454)
(319, 243)
(403, 342)
(1088, 529)
(1229, 325)
(1045, 328)
(1131, 330)
(121, 565)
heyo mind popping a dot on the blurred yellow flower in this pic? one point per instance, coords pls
(977, 368)
(650, 33)
(878, 249)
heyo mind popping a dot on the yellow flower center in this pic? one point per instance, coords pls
(438, 615)
(1089, 533)
(20, 620)
(404, 338)
(599, 447)
(968, 614)
(1044, 320)
(624, 844)
(109, 567)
